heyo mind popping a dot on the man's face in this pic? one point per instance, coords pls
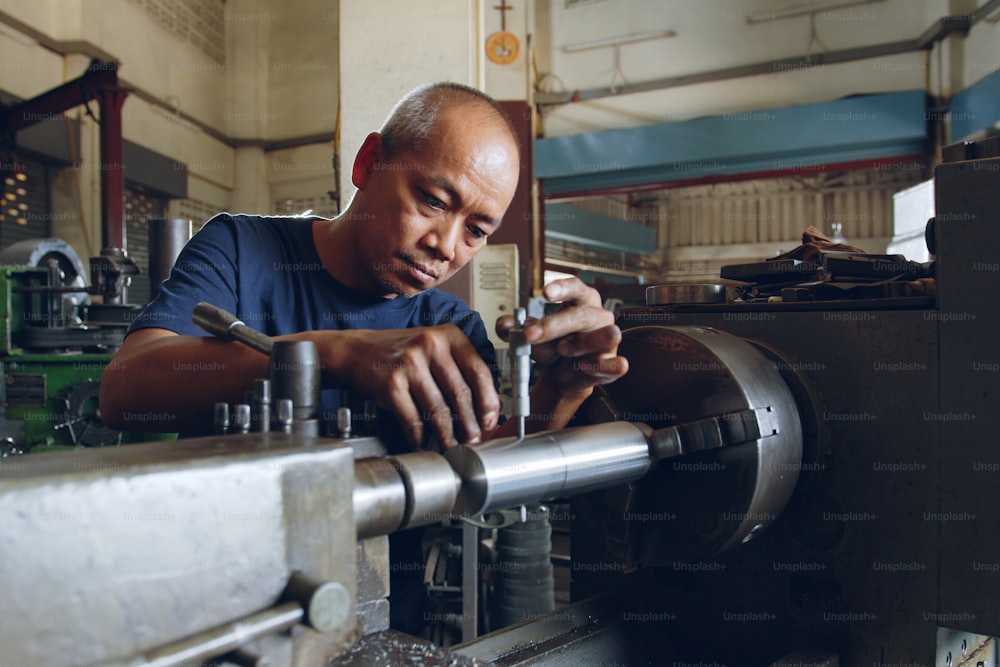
(429, 213)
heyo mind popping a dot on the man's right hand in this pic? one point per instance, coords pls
(429, 375)
(160, 381)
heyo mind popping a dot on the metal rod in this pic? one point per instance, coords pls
(225, 325)
(46, 288)
(222, 640)
(618, 41)
(792, 12)
(470, 581)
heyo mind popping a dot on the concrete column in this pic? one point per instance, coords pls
(388, 47)
(248, 69)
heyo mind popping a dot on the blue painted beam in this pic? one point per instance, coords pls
(577, 225)
(976, 107)
(790, 138)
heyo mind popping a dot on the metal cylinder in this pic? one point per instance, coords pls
(508, 472)
(221, 418)
(241, 418)
(523, 580)
(431, 487)
(283, 415)
(219, 641)
(166, 239)
(326, 603)
(344, 421)
(309, 427)
(295, 375)
(261, 405)
(379, 497)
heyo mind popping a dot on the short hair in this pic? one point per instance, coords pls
(413, 118)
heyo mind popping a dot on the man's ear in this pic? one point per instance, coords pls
(367, 160)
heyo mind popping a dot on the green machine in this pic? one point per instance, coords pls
(54, 346)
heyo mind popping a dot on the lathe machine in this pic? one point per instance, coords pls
(809, 482)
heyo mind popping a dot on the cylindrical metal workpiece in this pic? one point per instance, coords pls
(295, 374)
(379, 497)
(283, 415)
(261, 405)
(326, 603)
(431, 487)
(221, 418)
(241, 418)
(344, 421)
(509, 472)
(166, 239)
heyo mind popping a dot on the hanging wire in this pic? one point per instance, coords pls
(814, 37)
(618, 70)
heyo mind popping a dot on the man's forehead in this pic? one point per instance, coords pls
(475, 154)
(476, 119)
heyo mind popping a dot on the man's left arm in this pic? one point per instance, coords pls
(577, 348)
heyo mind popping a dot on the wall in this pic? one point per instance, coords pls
(156, 65)
(216, 86)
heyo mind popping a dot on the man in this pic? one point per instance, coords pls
(432, 185)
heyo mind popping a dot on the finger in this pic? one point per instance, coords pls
(401, 404)
(572, 290)
(476, 402)
(545, 354)
(503, 325)
(606, 368)
(434, 409)
(567, 321)
(599, 370)
(459, 396)
(600, 342)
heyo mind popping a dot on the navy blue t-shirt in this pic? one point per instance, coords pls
(266, 271)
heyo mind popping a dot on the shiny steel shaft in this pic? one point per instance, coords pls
(421, 488)
(509, 472)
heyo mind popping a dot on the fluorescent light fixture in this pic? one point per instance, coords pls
(618, 41)
(763, 16)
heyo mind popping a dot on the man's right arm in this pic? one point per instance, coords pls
(165, 382)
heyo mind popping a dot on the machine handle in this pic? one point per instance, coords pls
(226, 326)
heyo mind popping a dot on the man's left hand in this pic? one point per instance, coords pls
(578, 344)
